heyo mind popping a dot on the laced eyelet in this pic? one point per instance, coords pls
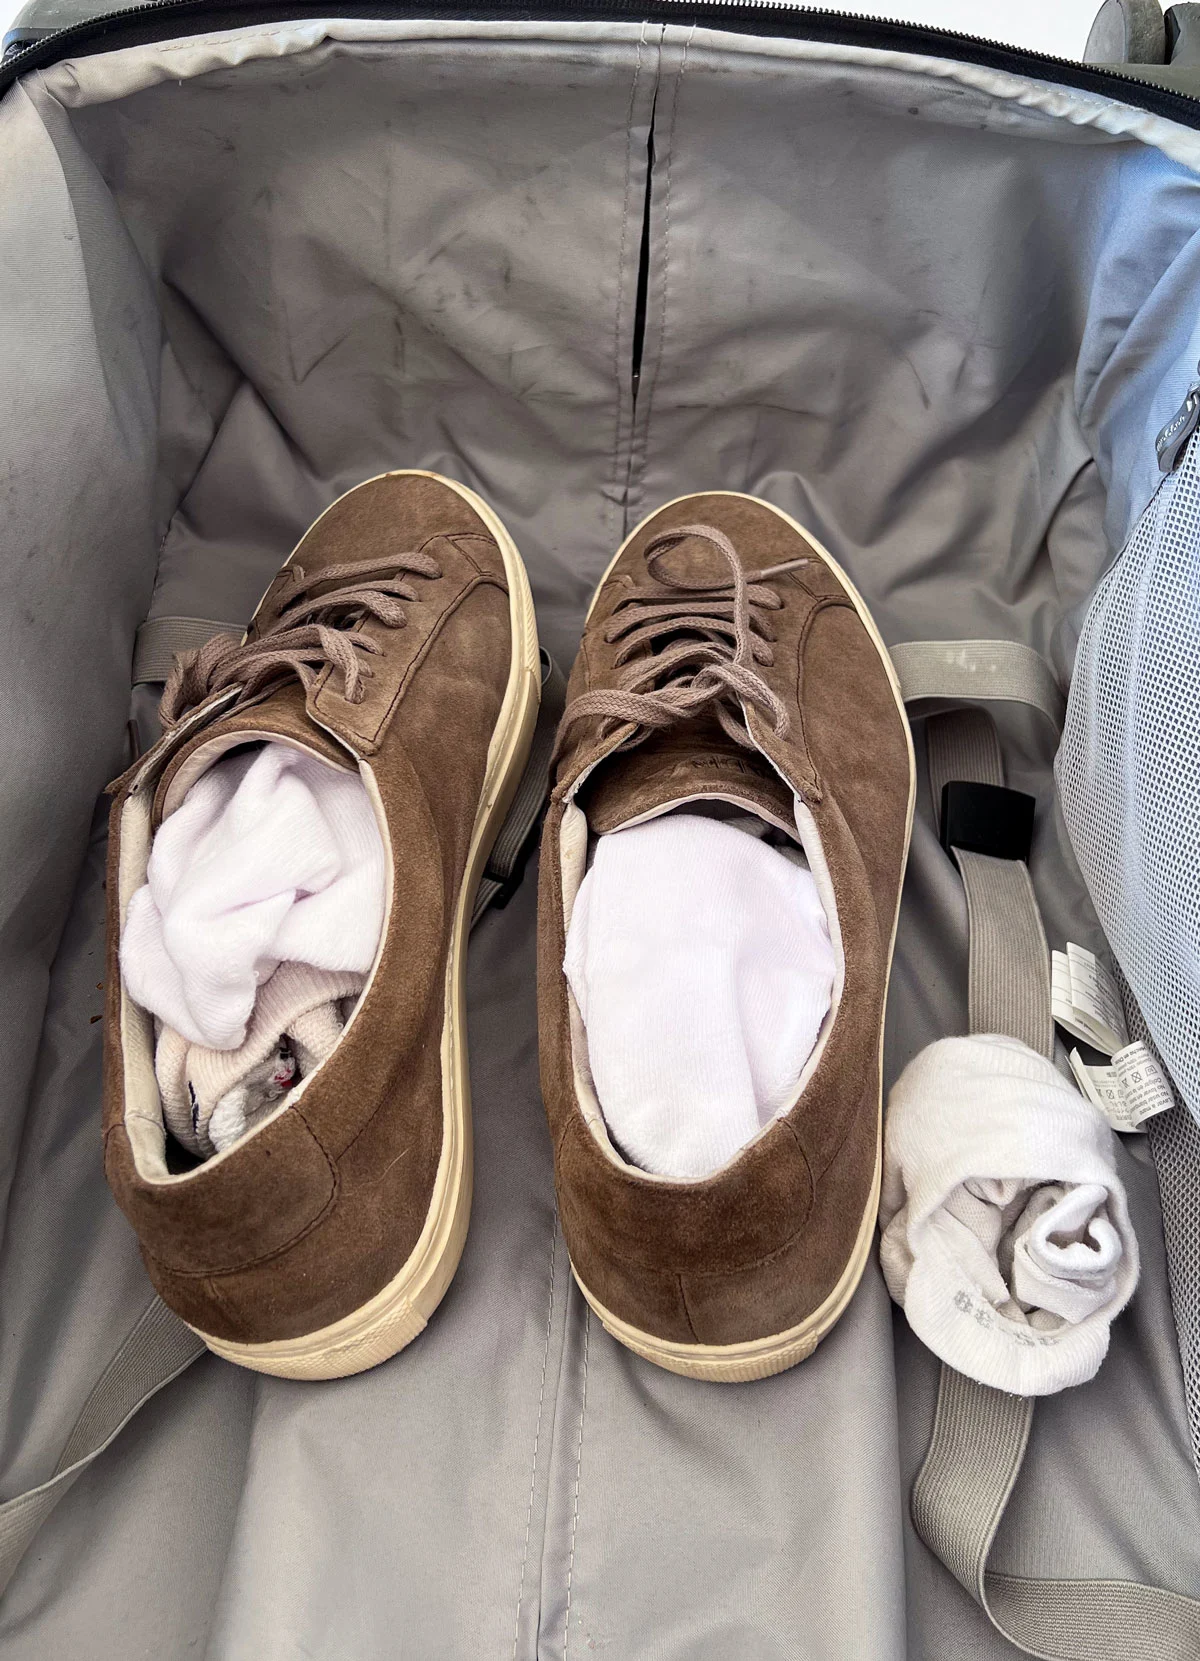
(696, 643)
(297, 633)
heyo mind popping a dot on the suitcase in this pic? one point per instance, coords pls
(933, 296)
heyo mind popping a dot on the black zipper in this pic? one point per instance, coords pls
(169, 19)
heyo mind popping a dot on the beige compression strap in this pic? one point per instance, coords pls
(159, 638)
(979, 1434)
(977, 671)
(157, 1350)
(1009, 985)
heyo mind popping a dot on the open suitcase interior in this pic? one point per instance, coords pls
(938, 311)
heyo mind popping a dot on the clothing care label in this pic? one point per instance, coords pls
(1129, 1092)
(1084, 1000)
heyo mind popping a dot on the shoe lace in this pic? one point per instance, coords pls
(301, 633)
(714, 638)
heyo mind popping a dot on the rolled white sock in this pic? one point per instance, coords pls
(1006, 1233)
(701, 962)
(212, 1098)
(273, 856)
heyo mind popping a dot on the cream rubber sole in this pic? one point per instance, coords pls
(762, 1357)
(398, 1313)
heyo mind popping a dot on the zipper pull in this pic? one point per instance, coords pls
(1172, 441)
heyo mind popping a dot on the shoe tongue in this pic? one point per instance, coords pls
(282, 715)
(695, 759)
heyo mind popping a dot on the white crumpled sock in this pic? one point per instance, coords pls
(1005, 1229)
(701, 962)
(273, 856)
(212, 1098)
(1064, 1251)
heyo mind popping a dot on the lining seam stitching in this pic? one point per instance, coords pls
(637, 71)
(666, 249)
(587, 1337)
(537, 1435)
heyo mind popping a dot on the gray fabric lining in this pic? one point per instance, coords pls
(936, 316)
(433, 310)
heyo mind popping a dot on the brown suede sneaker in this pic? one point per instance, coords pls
(398, 640)
(726, 656)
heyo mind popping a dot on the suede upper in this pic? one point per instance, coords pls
(753, 1250)
(306, 1220)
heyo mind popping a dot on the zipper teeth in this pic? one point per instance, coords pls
(872, 20)
(99, 24)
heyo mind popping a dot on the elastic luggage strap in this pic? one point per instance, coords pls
(156, 1351)
(995, 671)
(160, 638)
(980, 1435)
(160, 1346)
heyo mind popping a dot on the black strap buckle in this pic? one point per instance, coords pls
(987, 819)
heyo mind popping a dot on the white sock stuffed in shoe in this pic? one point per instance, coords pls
(212, 1098)
(273, 856)
(1006, 1234)
(701, 962)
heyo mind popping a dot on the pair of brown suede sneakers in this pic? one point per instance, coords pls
(725, 655)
